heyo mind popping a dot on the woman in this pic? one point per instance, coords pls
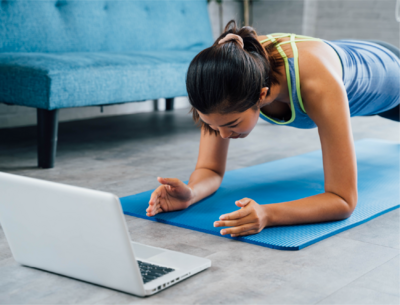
(243, 76)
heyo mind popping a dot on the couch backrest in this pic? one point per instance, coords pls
(96, 26)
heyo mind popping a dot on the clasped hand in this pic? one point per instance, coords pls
(250, 219)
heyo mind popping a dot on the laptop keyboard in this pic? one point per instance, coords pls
(151, 272)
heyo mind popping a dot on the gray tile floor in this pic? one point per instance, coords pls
(125, 154)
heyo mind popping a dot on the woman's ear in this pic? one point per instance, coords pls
(263, 93)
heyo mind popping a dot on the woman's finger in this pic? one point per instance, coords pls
(243, 202)
(245, 233)
(153, 210)
(239, 229)
(233, 223)
(159, 210)
(174, 182)
(236, 215)
(156, 206)
(153, 207)
(153, 197)
(150, 213)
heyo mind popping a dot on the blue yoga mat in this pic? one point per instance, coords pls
(289, 179)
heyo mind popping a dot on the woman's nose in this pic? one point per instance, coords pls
(224, 133)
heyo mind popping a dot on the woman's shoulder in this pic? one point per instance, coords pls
(260, 38)
(309, 53)
(317, 53)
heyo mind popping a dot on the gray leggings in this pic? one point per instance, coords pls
(394, 113)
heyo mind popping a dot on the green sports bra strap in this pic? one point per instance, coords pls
(296, 70)
(287, 69)
(292, 42)
(278, 47)
(273, 39)
(300, 40)
(283, 35)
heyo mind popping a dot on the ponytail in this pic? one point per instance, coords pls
(226, 78)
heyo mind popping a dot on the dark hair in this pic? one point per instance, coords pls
(225, 78)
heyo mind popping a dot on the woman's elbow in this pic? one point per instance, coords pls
(350, 203)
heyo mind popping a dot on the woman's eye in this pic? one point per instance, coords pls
(233, 126)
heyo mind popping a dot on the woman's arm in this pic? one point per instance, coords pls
(210, 167)
(325, 101)
(327, 105)
(174, 195)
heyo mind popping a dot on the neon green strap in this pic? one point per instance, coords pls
(282, 53)
(296, 70)
(284, 35)
(292, 42)
(300, 40)
(273, 38)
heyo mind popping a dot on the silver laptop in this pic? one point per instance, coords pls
(82, 233)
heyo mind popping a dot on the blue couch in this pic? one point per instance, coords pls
(57, 54)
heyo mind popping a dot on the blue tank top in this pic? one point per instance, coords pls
(370, 73)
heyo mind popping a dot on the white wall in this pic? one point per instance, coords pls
(13, 116)
(328, 19)
(231, 9)
(359, 19)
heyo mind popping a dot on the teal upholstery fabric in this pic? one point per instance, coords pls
(69, 53)
(59, 80)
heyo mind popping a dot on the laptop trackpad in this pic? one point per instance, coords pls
(144, 252)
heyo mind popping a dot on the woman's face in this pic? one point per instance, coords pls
(232, 125)
(235, 125)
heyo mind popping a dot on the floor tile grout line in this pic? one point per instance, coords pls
(398, 296)
(397, 255)
(369, 243)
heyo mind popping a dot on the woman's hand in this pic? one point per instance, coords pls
(250, 219)
(172, 195)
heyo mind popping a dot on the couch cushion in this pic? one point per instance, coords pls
(103, 25)
(61, 80)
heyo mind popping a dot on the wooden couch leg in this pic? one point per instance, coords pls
(47, 130)
(169, 104)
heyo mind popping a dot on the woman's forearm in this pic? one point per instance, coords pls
(203, 182)
(318, 208)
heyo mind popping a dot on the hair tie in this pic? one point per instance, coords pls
(232, 37)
